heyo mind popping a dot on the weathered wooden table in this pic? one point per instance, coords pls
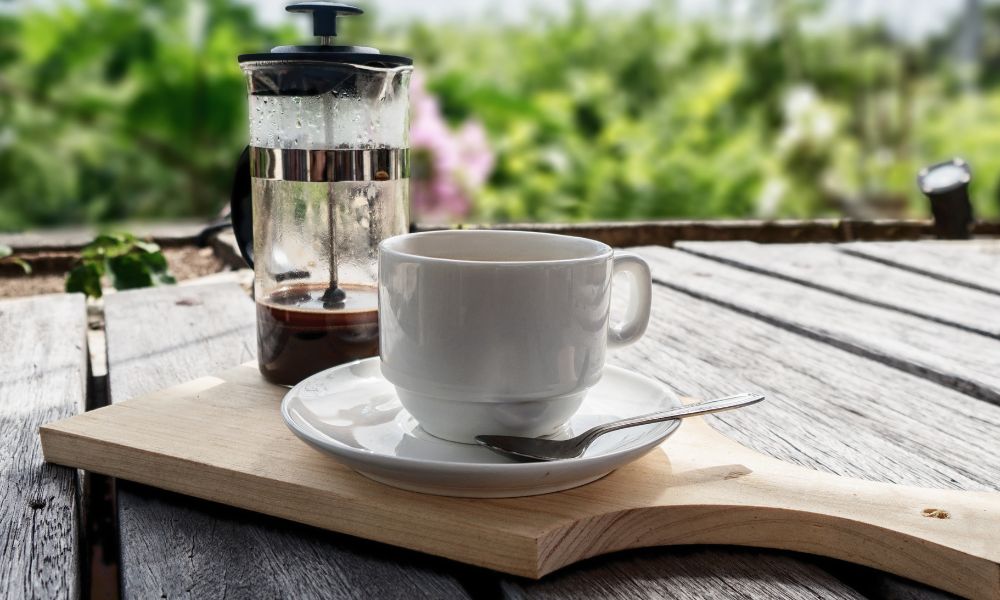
(881, 361)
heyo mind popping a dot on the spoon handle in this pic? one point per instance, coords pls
(690, 410)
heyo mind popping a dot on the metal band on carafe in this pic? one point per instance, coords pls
(287, 164)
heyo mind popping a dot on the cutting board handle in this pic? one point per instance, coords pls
(720, 492)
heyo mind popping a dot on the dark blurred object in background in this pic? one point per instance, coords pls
(946, 185)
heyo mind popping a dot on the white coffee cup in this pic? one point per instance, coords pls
(500, 332)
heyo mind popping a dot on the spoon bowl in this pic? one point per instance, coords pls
(544, 449)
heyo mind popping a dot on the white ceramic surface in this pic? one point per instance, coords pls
(353, 413)
(500, 332)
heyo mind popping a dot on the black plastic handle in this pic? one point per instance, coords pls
(241, 207)
(324, 15)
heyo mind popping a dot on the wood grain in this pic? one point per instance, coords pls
(690, 572)
(826, 408)
(73, 238)
(169, 557)
(974, 263)
(598, 574)
(668, 232)
(964, 361)
(178, 546)
(43, 350)
(221, 438)
(822, 267)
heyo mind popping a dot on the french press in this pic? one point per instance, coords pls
(324, 180)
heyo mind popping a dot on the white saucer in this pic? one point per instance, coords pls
(352, 412)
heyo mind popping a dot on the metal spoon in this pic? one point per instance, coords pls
(541, 449)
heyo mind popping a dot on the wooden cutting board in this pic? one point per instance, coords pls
(222, 438)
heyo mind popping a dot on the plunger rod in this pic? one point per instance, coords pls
(333, 295)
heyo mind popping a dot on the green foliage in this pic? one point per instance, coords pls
(644, 116)
(86, 278)
(648, 130)
(119, 109)
(129, 262)
(7, 255)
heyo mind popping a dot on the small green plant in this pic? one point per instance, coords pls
(128, 261)
(6, 255)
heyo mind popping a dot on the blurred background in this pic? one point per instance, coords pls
(115, 110)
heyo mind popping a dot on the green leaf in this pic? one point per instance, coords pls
(113, 238)
(109, 245)
(24, 265)
(6, 252)
(91, 252)
(149, 247)
(99, 264)
(129, 272)
(99, 247)
(155, 261)
(132, 263)
(85, 278)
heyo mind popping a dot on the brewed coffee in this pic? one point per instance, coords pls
(297, 337)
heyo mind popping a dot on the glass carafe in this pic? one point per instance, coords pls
(328, 169)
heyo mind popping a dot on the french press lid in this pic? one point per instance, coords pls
(325, 28)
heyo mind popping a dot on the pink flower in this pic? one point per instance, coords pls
(447, 167)
(476, 154)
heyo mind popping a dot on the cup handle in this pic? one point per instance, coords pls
(640, 298)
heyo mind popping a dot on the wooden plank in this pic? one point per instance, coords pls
(177, 546)
(972, 263)
(962, 360)
(783, 231)
(667, 232)
(822, 267)
(730, 358)
(770, 567)
(691, 573)
(172, 234)
(221, 438)
(827, 409)
(43, 350)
